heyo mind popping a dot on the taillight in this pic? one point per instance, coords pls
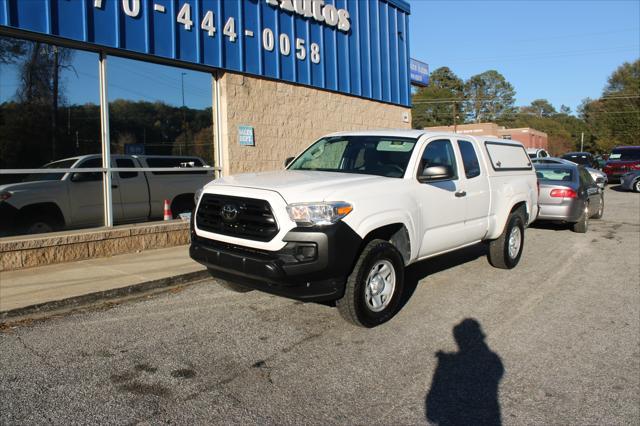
(636, 166)
(564, 193)
(5, 195)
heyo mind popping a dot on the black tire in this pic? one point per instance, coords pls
(38, 224)
(600, 212)
(582, 225)
(182, 205)
(636, 186)
(500, 255)
(236, 288)
(378, 257)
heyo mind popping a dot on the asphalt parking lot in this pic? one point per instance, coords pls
(554, 341)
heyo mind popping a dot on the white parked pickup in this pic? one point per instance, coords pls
(347, 216)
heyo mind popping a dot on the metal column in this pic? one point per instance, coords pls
(218, 118)
(106, 143)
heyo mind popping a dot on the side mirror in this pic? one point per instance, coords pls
(600, 180)
(435, 173)
(78, 177)
(288, 161)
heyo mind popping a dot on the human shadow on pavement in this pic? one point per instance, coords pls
(464, 388)
(418, 271)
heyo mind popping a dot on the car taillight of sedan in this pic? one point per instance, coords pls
(564, 193)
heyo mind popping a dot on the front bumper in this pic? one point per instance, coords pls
(313, 266)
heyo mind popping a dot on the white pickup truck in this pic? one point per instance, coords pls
(45, 202)
(347, 216)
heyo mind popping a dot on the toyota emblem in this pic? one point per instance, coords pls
(229, 212)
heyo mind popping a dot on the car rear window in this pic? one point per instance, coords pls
(628, 154)
(578, 158)
(555, 174)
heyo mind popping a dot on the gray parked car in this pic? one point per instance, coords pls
(631, 181)
(569, 194)
(598, 175)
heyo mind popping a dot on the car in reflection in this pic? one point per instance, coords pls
(568, 194)
(630, 181)
(622, 159)
(598, 176)
(73, 198)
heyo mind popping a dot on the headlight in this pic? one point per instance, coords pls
(310, 214)
(197, 195)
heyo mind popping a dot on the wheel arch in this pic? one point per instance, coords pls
(395, 233)
(48, 209)
(500, 221)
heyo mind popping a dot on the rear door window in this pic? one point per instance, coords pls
(126, 163)
(469, 159)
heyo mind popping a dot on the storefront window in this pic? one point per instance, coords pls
(49, 119)
(160, 117)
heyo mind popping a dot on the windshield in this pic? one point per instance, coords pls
(625, 154)
(62, 164)
(555, 174)
(371, 155)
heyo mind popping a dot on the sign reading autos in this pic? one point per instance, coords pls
(360, 47)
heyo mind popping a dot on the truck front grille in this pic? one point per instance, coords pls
(246, 218)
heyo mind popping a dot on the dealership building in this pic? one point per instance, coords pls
(238, 84)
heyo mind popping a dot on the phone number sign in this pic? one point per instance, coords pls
(350, 46)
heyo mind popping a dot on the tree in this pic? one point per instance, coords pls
(614, 118)
(565, 109)
(11, 49)
(434, 105)
(489, 97)
(540, 108)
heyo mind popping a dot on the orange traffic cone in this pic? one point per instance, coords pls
(167, 211)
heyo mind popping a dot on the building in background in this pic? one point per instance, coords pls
(530, 138)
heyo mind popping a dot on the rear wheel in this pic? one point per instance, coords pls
(506, 250)
(374, 289)
(600, 211)
(636, 185)
(582, 225)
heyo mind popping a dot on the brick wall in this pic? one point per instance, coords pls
(287, 118)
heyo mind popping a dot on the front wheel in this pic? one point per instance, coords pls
(374, 289)
(506, 250)
(636, 186)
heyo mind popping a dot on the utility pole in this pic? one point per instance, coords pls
(582, 142)
(182, 78)
(455, 122)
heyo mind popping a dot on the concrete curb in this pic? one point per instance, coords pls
(55, 307)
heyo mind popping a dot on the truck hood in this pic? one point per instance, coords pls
(29, 186)
(297, 185)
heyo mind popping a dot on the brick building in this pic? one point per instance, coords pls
(530, 138)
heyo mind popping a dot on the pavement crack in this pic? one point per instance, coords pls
(42, 358)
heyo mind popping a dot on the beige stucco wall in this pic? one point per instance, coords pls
(286, 118)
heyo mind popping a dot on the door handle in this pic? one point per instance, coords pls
(461, 193)
(114, 186)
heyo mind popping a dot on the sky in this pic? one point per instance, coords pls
(559, 50)
(562, 51)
